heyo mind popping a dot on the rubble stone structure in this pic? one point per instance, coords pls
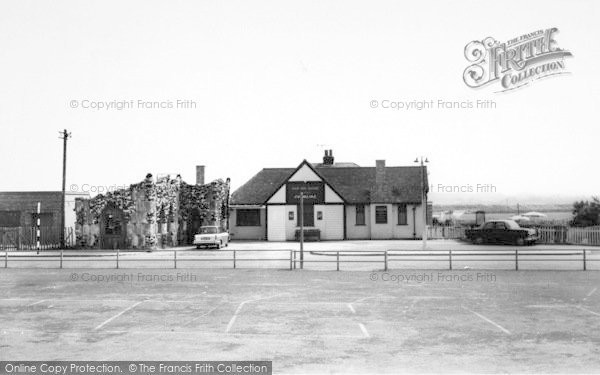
(151, 214)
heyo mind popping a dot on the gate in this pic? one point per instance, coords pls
(10, 238)
(25, 238)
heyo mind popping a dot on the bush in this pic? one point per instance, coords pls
(586, 213)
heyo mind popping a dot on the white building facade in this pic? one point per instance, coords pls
(339, 201)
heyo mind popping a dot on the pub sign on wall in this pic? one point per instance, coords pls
(314, 192)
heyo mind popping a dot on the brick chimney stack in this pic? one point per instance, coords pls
(380, 174)
(328, 158)
(199, 175)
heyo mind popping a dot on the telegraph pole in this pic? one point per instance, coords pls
(64, 135)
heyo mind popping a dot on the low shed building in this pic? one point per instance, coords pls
(18, 218)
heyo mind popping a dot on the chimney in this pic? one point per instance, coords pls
(199, 175)
(328, 158)
(379, 174)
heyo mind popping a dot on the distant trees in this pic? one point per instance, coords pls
(586, 213)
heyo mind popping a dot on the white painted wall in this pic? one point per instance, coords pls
(332, 224)
(290, 225)
(247, 233)
(392, 229)
(381, 231)
(420, 215)
(277, 222)
(331, 196)
(357, 232)
(405, 231)
(304, 174)
(279, 196)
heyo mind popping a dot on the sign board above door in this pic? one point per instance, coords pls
(314, 192)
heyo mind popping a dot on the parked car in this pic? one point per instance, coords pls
(211, 236)
(502, 231)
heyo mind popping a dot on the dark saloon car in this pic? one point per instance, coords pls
(502, 231)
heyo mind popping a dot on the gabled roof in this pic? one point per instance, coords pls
(262, 186)
(353, 184)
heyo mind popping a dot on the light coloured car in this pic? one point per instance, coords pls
(211, 236)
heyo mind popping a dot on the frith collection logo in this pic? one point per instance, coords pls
(515, 63)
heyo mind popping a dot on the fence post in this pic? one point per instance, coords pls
(338, 260)
(584, 261)
(294, 258)
(516, 259)
(117, 258)
(174, 258)
(291, 259)
(450, 259)
(234, 258)
(61, 259)
(385, 260)
(6, 259)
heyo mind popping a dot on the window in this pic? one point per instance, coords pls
(113, 225)
(291, 215)
(309, 215)
(10, 218)
(319, 215)
(248, 218)
(209, 230)
(46, 219)
(360, 214)
(381, 215)
(402, 215)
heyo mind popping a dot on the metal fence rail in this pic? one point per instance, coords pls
(547, 234)
(386, 258)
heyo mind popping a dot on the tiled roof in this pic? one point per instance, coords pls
(260, 187)
(354, 184)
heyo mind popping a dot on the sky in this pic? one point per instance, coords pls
(271, 83)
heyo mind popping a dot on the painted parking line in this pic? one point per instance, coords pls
(590, 294)
(36, 303)
(360, 325)
(549, 306)
(241, 305)
(489, 321)
(380, 296)
(205, 314)
(364, 330)
(586, 310)
(351, 308)
(118, 315)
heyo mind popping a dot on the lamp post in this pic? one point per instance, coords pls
(423, 199)
(301, 230)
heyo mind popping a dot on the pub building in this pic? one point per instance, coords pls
(340, 201)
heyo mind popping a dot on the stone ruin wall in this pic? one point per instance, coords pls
(157, 214)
